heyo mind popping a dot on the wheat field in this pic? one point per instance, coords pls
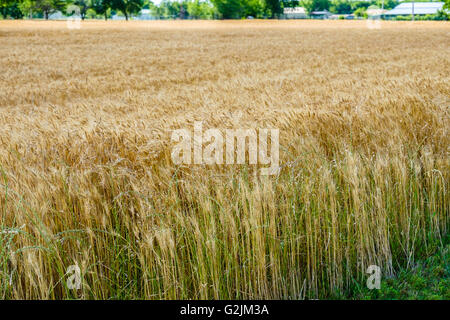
(86, 176)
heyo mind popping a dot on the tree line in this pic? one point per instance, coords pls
(182, 9)
(44, 8)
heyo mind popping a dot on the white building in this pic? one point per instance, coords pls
(295, 13)
(420, 8)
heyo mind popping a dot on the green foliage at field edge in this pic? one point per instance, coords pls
(427, 279)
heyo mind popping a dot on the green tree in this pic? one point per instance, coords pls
(290, 3)
(155, 10)
(45, 7)
(101, 7)
(340, 7)
(273, 7)
(254, 8)
(360, 4)
(360, 12)
(229, 9)
(194, 9)
(199, 9)
(445, 12)
(169, 9)
(386, 4)
(4, 7)
(315, 5)
(14, 10)
(26, 7)
(127, 7)
(83, 5)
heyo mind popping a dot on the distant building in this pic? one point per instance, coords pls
(58, 15)
(321, 14)
(295, 13)
(117, 17)
(342, 16)
(145, 14)
(420, 8)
